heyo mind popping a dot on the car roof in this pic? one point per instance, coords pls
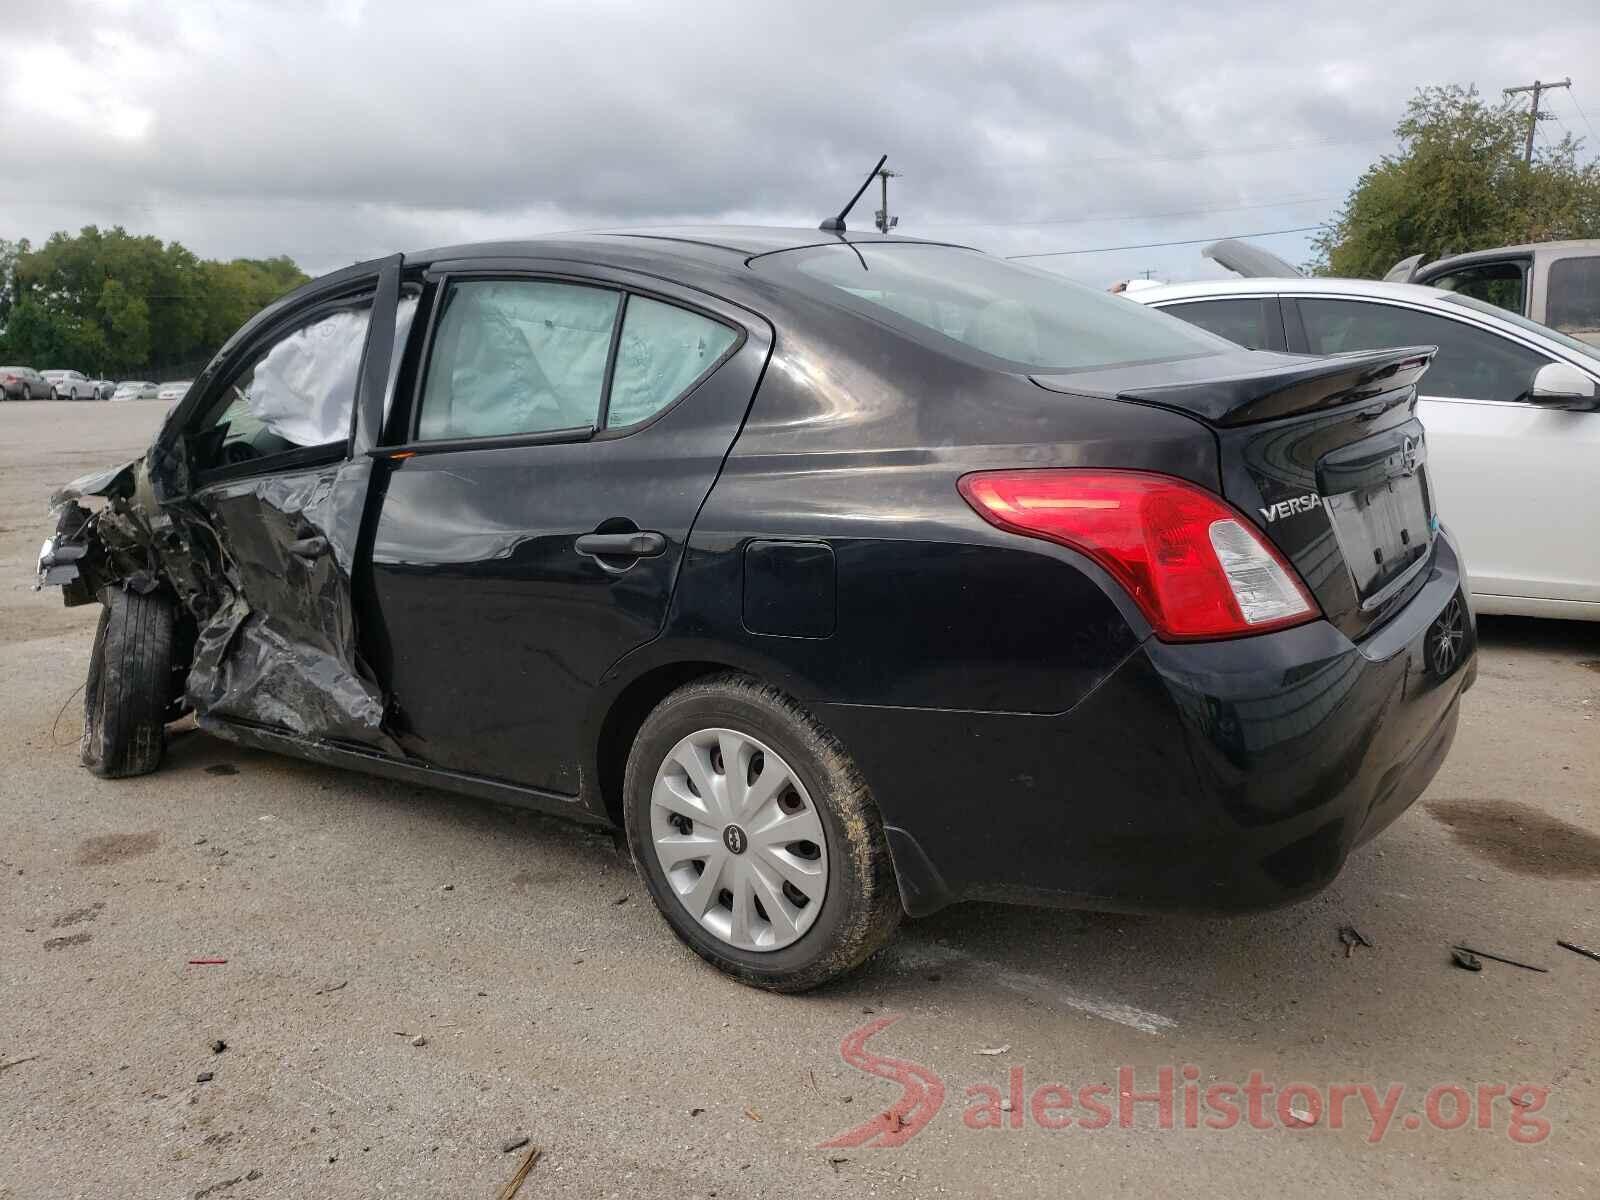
(700, 243)
(1447, 302)
(1212, 288)
(1471, 256)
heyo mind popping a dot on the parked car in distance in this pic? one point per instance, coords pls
(1510, 409)
(1554, 283)
(103, 388)
(136, 389)
(70, 385)
(849, 575)
(23, 383)
(174, 391)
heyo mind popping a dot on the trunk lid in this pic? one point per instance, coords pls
(1250, 261)
(1325, 455)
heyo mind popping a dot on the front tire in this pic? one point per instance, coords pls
(130, 680)
(757, 837)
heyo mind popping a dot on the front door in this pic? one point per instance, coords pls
(564, 432)
(1506, 474)
(273, 442)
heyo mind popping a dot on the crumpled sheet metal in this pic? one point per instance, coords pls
(113, 481)
(290, 667)
(114, 544)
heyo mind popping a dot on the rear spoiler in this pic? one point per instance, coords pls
(1305, 386)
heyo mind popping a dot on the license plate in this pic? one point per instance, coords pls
(1384, 531)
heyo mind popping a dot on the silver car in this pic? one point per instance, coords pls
(136, 389)
(71, 385)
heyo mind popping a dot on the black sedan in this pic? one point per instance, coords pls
(851, 575)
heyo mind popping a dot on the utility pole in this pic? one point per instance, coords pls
(1534, 115)
(884, 221)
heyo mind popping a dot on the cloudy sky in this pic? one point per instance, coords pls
(339, 130)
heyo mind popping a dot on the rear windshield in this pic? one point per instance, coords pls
(1033, 320)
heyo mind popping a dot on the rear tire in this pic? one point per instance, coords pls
(129, 685)
(859, 905)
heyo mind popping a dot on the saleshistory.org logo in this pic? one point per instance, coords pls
(1174, 1098)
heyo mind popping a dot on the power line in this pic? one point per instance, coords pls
(1153, 245)
(1581, 113)
(1213, 152)
(1188, 212)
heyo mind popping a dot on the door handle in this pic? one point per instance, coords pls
(640, 543)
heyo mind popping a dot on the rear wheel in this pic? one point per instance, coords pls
(130, 681)
(757, 837)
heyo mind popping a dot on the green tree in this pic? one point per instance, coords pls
(1457, 183)
(112, 303)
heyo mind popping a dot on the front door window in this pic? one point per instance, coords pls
(1472, 363)
(296, 392)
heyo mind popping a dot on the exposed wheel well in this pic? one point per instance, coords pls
(627, 713)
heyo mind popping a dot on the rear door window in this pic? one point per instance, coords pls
(1472, 363)
(1572, 298)
(517, 356)
(665, 350)
(1252, 322)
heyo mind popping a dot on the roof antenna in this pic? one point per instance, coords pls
(836, 224)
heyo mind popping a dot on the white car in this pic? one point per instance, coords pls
(71, 385)
(136, 389)
(1511, 409)
(174, 391)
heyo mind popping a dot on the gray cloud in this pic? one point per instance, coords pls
(340, 130)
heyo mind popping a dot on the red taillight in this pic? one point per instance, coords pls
(1193, 564)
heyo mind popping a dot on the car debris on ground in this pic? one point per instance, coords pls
(1352, 937)
(1510, 962)
(1466, 960)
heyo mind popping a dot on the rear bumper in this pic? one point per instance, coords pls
(1210, 777)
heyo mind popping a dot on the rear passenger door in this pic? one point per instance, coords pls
(563, 429)
(1503, 469)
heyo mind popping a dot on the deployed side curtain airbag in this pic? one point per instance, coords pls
(517, 357)
(304, 388)
(664, 349)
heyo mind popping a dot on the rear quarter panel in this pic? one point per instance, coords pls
(856, 439)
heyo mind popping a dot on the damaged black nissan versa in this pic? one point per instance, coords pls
(851, 575)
